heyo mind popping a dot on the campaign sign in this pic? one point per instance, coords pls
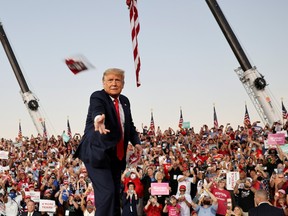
(276, 139)
(47, 205)
(231, 179)
(35, 195)
(4, 154)
(186, 125)
(284, 132)
(160, 188)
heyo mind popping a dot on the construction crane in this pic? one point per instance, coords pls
(253, 82)
(30, 100)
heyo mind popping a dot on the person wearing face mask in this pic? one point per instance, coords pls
(16, 196)
(245, 195)
(209, 204)
(132, 175)
(88, 208)
(8, 205)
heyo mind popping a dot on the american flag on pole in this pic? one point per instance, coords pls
(181, 119)
(44, 130)
(284, 112)
(152, 126)
(215, 119)
(246, 117)
(20, 131)
(69, 129)
(135, 28)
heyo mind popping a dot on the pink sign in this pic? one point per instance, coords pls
(159, 189)
(276, 139)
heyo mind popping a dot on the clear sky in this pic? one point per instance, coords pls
(186, 61)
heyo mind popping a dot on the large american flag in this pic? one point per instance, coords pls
(246, 117)
(215, 119)
(135, 28)
(284, 112)
(180, 120)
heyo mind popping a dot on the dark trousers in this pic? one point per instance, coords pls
(106, 184)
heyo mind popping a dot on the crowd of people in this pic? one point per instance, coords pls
(181, 172)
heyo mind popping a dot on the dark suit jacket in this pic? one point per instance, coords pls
(34, 214)
(128, 204)
(266, 210)
(95, 148)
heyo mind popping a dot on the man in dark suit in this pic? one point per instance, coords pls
(109, 128)
(31, 209)
(264, 208)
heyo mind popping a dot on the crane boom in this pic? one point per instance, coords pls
(253, 82)
(30, 101)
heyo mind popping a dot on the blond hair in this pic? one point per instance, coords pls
(114, 71)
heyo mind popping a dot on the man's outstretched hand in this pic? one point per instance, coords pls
(99, 124)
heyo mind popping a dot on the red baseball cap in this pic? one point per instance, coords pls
(182, 187)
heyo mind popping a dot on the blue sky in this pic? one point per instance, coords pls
(186, 61)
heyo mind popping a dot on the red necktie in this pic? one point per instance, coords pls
(120, 145)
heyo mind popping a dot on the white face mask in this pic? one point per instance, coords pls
(133, 176)
(278, 128)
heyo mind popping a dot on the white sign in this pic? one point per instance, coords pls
(4, 154)
(35, 195)
(231, 179)
(47, 206)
